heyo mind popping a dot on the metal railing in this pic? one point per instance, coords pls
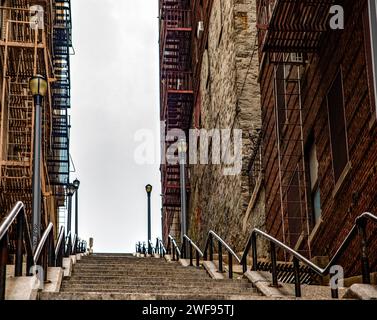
(191, 245)
(359, 228)
(173, 249)
(221, 244)
(45, 255)
(16, 215)
(60, 248)
(160, 247)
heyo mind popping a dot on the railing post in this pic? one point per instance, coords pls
(244, 265)
(51, 251)
(19, 256)
(3, 265)
(254, 251)
(230, 265)
(210, 248)
(197, 259)
(273, 263)
(364, 252)
(184, 248)
(190, 246)
(29, 264)
(296, 269)
(44, 263)
(220, 257)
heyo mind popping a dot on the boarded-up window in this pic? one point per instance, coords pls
(294, 210)
(280, 96)
(337, 123)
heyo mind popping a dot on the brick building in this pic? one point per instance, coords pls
(23, 53)
(319, 123)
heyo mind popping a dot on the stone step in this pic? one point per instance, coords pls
(147, 286)
(149, 273)
(165, 290)
(122, 280)
(124, 260)
(118, 279)
(132, 267)
(147, 296)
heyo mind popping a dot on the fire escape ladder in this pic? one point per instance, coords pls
(176, 96)
(291, 155)
(59, 160)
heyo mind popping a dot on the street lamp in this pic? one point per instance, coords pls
(148, 189)
(182, 149)
(70, 191)
(38, 88)
(76, 184)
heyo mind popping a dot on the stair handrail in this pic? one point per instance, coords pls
(74, 244)
(198, 252)
(358, 227)
(138, 247)
(160, 247)
(152, 248)
(44, 254)
(221, 244)
(59, 249)
(16, 215)
(68, 243)
(175, 250)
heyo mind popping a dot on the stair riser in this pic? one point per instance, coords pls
(139, 274)
(159, 291)
(135, 296)
(148, 281)
(150, 287)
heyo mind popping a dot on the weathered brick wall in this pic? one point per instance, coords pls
(345, 50)
(228, 98)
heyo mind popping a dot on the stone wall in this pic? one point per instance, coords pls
(228, 98)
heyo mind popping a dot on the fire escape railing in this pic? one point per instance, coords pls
(291, 25)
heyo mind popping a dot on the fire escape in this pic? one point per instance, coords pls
(58, 157)
(288, 31)
(24, 51)
(176, 97)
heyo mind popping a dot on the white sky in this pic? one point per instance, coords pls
(114, 75)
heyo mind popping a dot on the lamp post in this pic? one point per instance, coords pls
(38, 88)
(76, 184)
(70, 191)
(148, 189)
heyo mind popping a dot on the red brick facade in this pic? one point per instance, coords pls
(346, 51)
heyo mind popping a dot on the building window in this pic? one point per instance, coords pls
(315, 192)
(370, 27)
(337, 124)
(280, 96)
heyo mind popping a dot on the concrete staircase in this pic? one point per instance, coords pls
(125, 277)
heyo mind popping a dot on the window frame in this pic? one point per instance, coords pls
(371, 52)
(342, 174)
(314, 186)
(280, 122)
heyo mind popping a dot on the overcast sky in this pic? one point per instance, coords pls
(114, 75)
